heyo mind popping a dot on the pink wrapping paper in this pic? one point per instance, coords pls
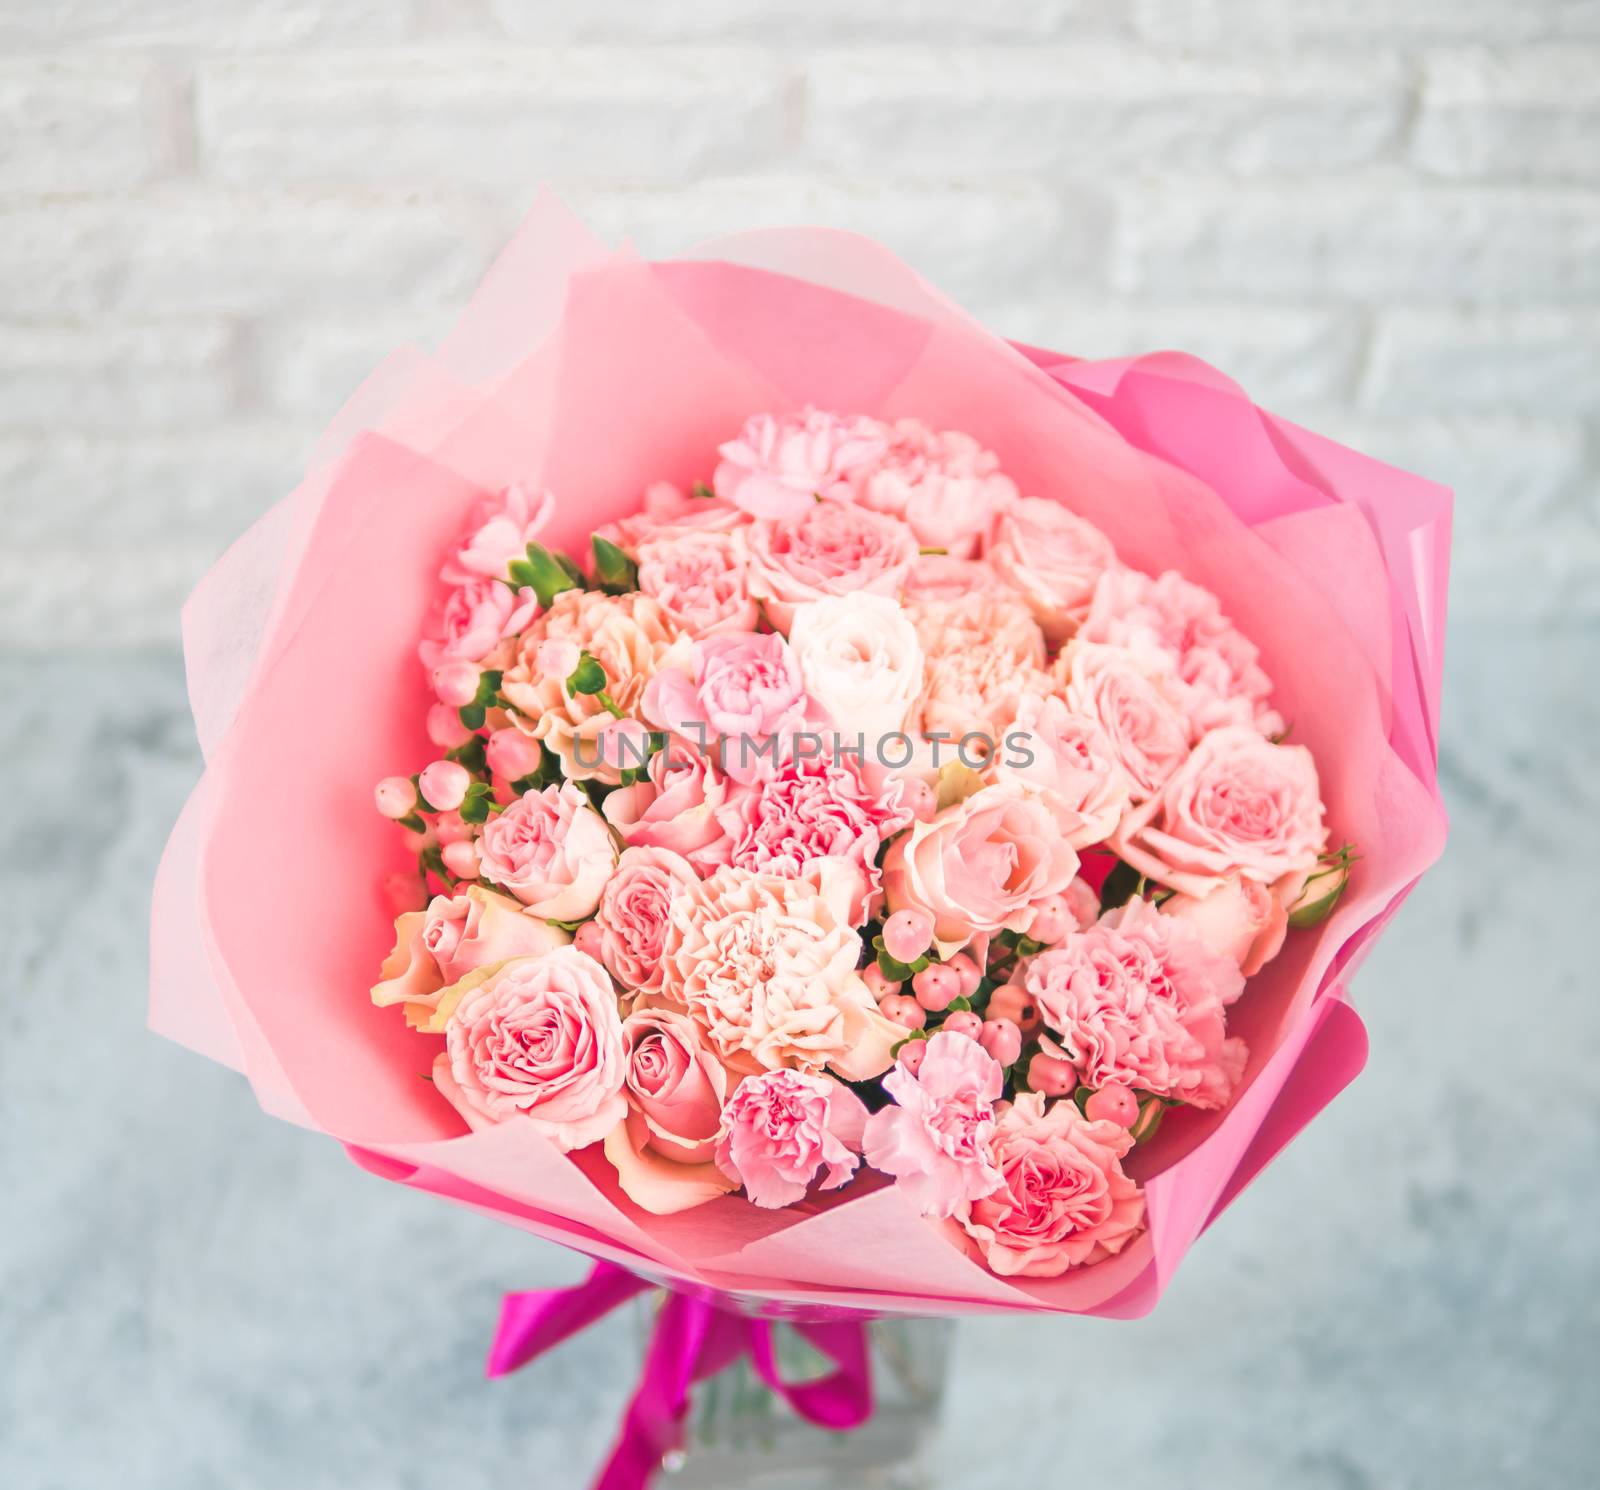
(594, 373)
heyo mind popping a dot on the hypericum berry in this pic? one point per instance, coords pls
(920, 800)
(587, 939)
(512, 754)
(878, 986)
(1009, 1001)
(445, 728)
(396, 797)
(907, 934)
(911, 1055)
(936, 987)
(461, 858)
(1052, 920)
(967, 971)
(456, 683)
(904, 1011)
(1052, 1075)
(1002, 1039)
(1113, 1103)
(444, 784)
(451, 827)
(963, 1022)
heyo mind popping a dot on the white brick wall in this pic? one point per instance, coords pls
(216, 215)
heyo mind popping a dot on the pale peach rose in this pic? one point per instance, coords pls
(1050, 749)
(1063, 1200)
(630, 636)
(1241, 918)
(979, 865)
(943, 483)
(831, 548)
(981, 657)
(664, 1151)
(781, 463)
(700, 580)
(861, 662)
(538, 1039)
(766, 965)
(551, 850)
(1054, 557)
(675, 805)
(1216, 668)
(1238, 805)
(453, 936)
(1127, 695)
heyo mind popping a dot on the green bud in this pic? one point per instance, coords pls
(589, 676)
(616, 572)
(546, 574)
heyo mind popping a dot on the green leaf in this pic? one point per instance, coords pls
(549, 574)
(1119, 886)
(960, 1004)
(472, 715)
(523, 574)
(701, 490)
(589, 676)
(616, 572)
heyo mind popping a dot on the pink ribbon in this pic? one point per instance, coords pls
(693, 1340)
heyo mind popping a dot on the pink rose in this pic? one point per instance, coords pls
(1242, 919)
(782, 1127)
(978, 866)
(539, 1038)
(477, 616)
(766, 965)
(1127, 695)
(632, 915)
(744, 692)
(551, 850)
(944, 484)
(935, 1139)
(674, 805)
(675, 1089)
(1066, 757)
(828, 549)
(1054, 557)
(1139, 999)
(814, 808)
(501, 531)
(671, 512)
(1218, 676)
(1239, 804)
(699, 579)
(939, 577)
(1063, 1200)
(780, 464)
(453, 936)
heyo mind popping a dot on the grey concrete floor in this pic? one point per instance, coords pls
(193, 1295)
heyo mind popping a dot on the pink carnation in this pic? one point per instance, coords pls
(502, 530)
(1239, 804)
(828, 549)
(814, 808)
(935, 1139)
(780, 464)
(1054, 557)
(1218, 675)
(671, 512)
(699, 579)
(540, 1039)
(476, 617)
(1140, 998)
(633, 911)
(938, 577)
(1063, 1200)
(943, 484)
(781, 1127)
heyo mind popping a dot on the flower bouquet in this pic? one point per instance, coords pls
(871, 819)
